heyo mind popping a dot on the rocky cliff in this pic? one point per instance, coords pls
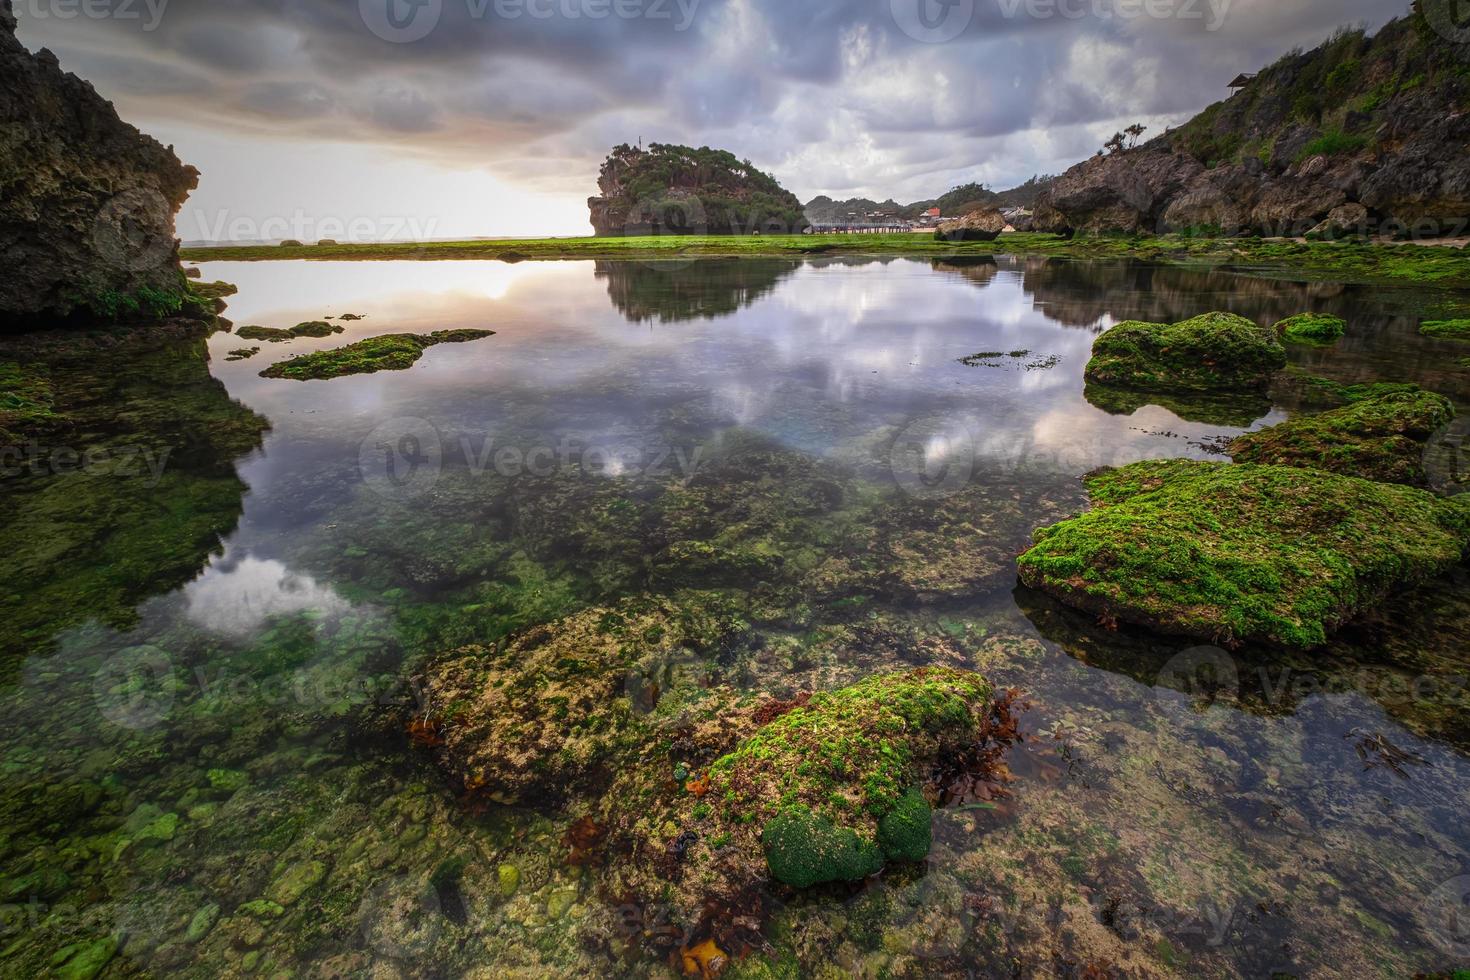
(87, 202)
(679, 190)
(1364, 135)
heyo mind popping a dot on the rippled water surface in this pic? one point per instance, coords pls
(210, 655)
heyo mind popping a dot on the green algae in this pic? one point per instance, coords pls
(281, 335)
(390, 352)
(1213, 352)
(1446, 329)
(803, 849)
(27, 402)
(1312, 328)
(1381, 437)
(906, 832)
(1243, 552)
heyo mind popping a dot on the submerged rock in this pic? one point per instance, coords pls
(977, 226)
(1381, 438)
(1233, 553)
(551, 710)
(87, 215)
(1213, 352)
(390, 352)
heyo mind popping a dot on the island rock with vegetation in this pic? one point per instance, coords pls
(87, 202)
(678, 190)
(1364, 135)
(1216, 352)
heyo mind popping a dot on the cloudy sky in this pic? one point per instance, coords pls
(364, 119)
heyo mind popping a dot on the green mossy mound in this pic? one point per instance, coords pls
(1380, 438)
(555, 708)
(1312, 328)
(803, 849)
(1234, 553)
(278, 335)
(390, 352)
(1446, 329)
(1213, 352)
(315, 328)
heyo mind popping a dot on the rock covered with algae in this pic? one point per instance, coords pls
(1378, 438)
(826, 788)
(390, 352)
(548, 712)
(1317, 329)
(1213, 352)
(1236, 553)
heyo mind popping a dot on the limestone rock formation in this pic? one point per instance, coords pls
(1362, 135)
(87, 202)
(977, 226)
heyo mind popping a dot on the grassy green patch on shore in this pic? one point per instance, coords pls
(390, 352)
(1341, 261)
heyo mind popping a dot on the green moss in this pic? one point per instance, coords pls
(27, 401)
(1242, 552)
(390, 352)
(1446, 329)
(907, 833)
(1333, 143)
(804, 849)
(315, 328)
(1312, 328)
(1213, 352)
(1377, 438)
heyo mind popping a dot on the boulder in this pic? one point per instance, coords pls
(1383, 438)
(977, 226)
(1234, 553)
(1216, 352)
(1347, 221)
(1126, 192)
(88, 202)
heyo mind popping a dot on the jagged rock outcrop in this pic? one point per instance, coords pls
(1361, 136)
(678, 190)
(87, 202)
(977, 226)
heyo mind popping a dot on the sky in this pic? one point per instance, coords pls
(372, 120)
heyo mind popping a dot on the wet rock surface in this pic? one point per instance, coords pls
(87, 213)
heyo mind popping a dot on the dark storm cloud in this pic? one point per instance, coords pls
(832, 94)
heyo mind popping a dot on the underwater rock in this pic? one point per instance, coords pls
(1213, 352)
(830, 790)
(1232, 553)
(1380, 438)
(549, 711)
(87, 217)
(1312, 328)
(296, 881)
(390, 352)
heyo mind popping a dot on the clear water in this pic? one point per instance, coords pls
(209, 662)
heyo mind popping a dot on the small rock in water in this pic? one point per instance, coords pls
(510, 879)
(296, 881)
(202, 922)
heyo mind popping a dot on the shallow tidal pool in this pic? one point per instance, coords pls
(217, 751)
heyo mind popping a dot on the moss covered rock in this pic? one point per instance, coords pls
(1242, 552)
(390, 352)
(553, 709)
(1213, 352)
(1378, 438)
(1312, 328)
